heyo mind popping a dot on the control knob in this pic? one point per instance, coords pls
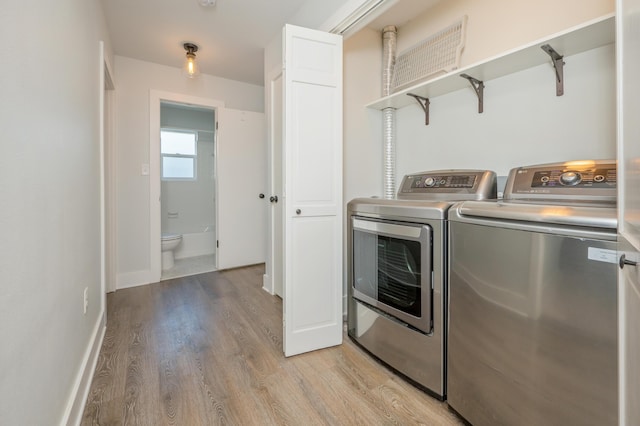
(429, 181)
(570, 178)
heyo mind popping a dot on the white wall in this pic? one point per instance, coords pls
(50, 215)
(135, 80)
(362, 127)
(523, 123)
(496, 26)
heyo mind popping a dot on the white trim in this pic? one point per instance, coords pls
(82, 384)
(355, 15)
(267, 282)
(134, 279)
(103, 234)
(155, 231)
(107, 175)
(622, 284)
(111, 152)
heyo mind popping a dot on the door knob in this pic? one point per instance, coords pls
(298, 211)
(261, 195)
(625, 261)
(273, 198)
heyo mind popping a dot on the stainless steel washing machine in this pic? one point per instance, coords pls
(397, 271)
(533, 300)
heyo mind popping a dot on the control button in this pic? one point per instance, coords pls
(429, 181)
(544, 179)
(570, 178)
(598, 178)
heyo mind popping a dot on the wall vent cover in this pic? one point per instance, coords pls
(440, 53)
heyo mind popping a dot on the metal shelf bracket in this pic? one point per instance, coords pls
(478, 87)
(558, 64)
(424, 103)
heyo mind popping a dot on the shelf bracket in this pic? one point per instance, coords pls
(558, 64)
(478, 87)
(424, 103)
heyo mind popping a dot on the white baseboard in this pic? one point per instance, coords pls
(344, 306)
(75, 405)
(266, 284)
(133, 279)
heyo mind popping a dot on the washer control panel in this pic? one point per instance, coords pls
(593, 180)
(449, 184)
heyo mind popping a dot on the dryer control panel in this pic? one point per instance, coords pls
(592, 180)
(449, 185)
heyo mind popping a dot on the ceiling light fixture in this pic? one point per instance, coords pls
(190, 66)
(207, 3)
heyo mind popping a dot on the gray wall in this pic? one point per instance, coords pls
(50, 215)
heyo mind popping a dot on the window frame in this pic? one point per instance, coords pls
(193, 157)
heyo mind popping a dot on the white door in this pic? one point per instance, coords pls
(240, 179)
(312, 305)
(628, 62)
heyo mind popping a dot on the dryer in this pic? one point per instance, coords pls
(397, 263)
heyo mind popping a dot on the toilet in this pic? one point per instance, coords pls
(169, 244)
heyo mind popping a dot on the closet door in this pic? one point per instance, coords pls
(628, 63)
(312, 305)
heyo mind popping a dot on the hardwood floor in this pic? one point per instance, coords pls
(207, 350)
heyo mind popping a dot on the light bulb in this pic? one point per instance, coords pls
(190, 66)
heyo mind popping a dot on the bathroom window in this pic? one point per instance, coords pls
(179, 152)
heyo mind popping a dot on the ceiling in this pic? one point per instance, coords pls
(231, 35)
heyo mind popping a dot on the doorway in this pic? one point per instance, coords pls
(187, 187)
(156, 100)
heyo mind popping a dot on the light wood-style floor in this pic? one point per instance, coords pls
(207, 350)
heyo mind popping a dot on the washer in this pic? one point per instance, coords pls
(533, 300)
(397, 271)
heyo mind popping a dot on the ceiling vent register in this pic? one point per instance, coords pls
(440, 53)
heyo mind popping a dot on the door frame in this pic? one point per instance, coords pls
(268, 283)
(156, 97)
(108, 197)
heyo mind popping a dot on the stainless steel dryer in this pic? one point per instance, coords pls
(397, 271)
(533, 300)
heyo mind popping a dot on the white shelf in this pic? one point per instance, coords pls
(590, 35)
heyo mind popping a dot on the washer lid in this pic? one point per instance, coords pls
(590, 215)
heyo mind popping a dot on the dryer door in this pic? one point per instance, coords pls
(392, 269)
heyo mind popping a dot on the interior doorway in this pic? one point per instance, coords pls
(188, 188)
(156, 100)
